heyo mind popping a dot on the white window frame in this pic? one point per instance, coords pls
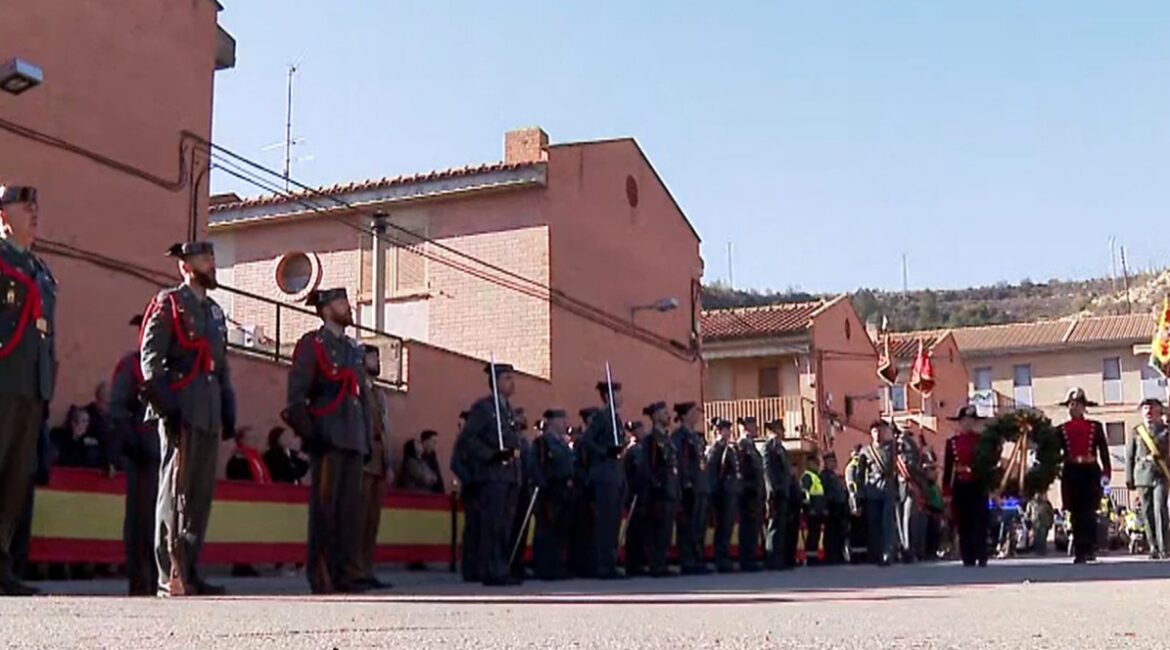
(1111, 387)
(1022, 393)
(984, 371)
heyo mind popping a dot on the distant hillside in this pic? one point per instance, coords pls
(1002, 303)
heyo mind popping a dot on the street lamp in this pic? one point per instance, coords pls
(664, 305)
(18, 75)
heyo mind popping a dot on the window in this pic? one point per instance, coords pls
(406, 266)
(1115, 433)
(1153, 383)
(897, 397)
(1111, 379)
(769, 379)
(981, 378)
(297, 273)
(1022, 385)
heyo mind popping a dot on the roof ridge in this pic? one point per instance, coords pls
(751, 309)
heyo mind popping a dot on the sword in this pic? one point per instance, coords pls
(626, 522)
(523, 525)
(496, 399)
(612, 408)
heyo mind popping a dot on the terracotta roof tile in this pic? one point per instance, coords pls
(1128, 328)
(1052, 334)
(373, 184)
(751, 322)
(904, 345)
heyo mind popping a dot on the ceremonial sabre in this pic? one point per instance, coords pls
(524, 525)
(612, 408)
(496, 398)
(626, 522)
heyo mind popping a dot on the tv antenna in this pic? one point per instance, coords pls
(289, 140)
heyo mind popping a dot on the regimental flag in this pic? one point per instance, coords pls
(886, 368)
(1160, 346)
(922, 372)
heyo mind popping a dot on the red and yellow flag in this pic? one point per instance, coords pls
(922, 372)
(1160, 346)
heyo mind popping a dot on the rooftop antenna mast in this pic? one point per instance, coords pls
(288, 139)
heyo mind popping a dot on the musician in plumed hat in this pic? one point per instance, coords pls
(28, 363)
(328, 403)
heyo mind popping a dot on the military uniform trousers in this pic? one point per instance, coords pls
(469, 557)
(607, 500)
(550, 541)
(911, 526)
(496, 505)
(1080, 487)
(750, 523)
(20, 424)
(335, 520)
(776, 535)
(836, 533)
(791, 533)
(726, 506)
(186, 483)
(373, 494)
(691, 530)
(881, 522)
(582, 547)
(1155, 516)
(972, 519)
(659, 530)
(138, 526)
(637, 536)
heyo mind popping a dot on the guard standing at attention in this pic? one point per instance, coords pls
(189, 391)
(751, 499)
(880, 481)
(603, 447)
(553, 473)
(660, 468)
(777, 477)
(582, 543)
(28, 365)
(691, 532)
(461, 468)
(723, 470)
(328, 407)
(1146, 469)
(1082, 479)
(837, 522)
(968, 496)
(636, 501)
(493, 452)
(137, 441)
(377, 473)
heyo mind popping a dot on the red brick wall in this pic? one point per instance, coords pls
(121, 79)
(848, 367)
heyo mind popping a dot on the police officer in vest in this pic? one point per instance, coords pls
(815, 505)
(752, 493)
(189, 391)
(777, 477)
(329, 409)
(553, 473)
(603, 447)
(723, 476)
(28, 364)
(1147, 461)
(137, 441)
(692, 473)
(493, 453)
(1082, 478)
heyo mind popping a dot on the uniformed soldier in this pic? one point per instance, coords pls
(691, 532)
(1146, 469)
(751, 496)
(137, 442)
(524, 492)
(493, 452)
(467, 486)
(553, 472)
(777, 477)
(28, 364)
(911, 533)
(967, 493)
(603, 447)
(377, 473)
(189, 392)
(815, 505)
(1082, 478)
(329, 408)
(660, 470)
(723, 473)
(637, 555)
(836, 532)
(582, 542)
(880, 481)
(854, 486)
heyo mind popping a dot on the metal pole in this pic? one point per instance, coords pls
(612, 408)
(524, 525)
(1125, 277)
(292, 70)
(496, 399)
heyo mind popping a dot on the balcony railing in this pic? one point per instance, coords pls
(797, 412)
(271, 328)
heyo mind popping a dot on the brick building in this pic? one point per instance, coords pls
(556, 259)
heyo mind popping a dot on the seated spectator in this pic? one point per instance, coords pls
(430, 456)
(416, 474)
(76, 444)
(99, 424)
(285, 461)
(245, 463)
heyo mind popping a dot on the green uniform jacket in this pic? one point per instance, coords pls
(1141, 468)
(751, 469)
(28, 350)
(328, 400)
(777, 469)
(487, 463)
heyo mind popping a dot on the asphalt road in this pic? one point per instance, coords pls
(1118, 603)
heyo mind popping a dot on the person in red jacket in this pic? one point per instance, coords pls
(967, 495)
(1085, 473)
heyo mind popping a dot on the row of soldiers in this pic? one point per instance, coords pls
(667, 481)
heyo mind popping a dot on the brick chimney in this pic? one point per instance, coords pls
(526, 145)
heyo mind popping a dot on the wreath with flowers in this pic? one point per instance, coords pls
(1034, 461)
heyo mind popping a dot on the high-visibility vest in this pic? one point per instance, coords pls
(816, 488)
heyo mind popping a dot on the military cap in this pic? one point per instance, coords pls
(651, 409)
(136, 320)
(720, 423)
(322, 297)
(601, 385)
(554, 413)
(774, 425)
(501, 369)
(1151, 401)
(747, 421)
(633, 426)
(1077, 395)
(190, 249)
(682, 408)
(13, 194)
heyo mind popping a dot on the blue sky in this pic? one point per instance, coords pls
(988, 141)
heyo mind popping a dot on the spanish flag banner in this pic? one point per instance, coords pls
(922, 372)
(1160, 346)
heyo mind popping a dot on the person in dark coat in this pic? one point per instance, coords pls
(724, 478)
(777, 478)
(659, 470)
(553, 472)
(691, 533)
(604, 448)
(76, 444)
(582, 547)
(752, 493)
(636, 499)
(285, 461)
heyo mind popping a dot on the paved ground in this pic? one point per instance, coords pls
(1119, 603)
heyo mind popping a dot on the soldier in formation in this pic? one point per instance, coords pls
(553, 475)
(968, 495)
(911, 525)
(377, 472)
(836, 532)
(777, 478)
(693, 481)
(879, 479)
(1084, 474)
(660, 477)
(724, 477)
(635, 502)
(603, 449)
(189, 391)
(751, 495)
(1147, 471)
